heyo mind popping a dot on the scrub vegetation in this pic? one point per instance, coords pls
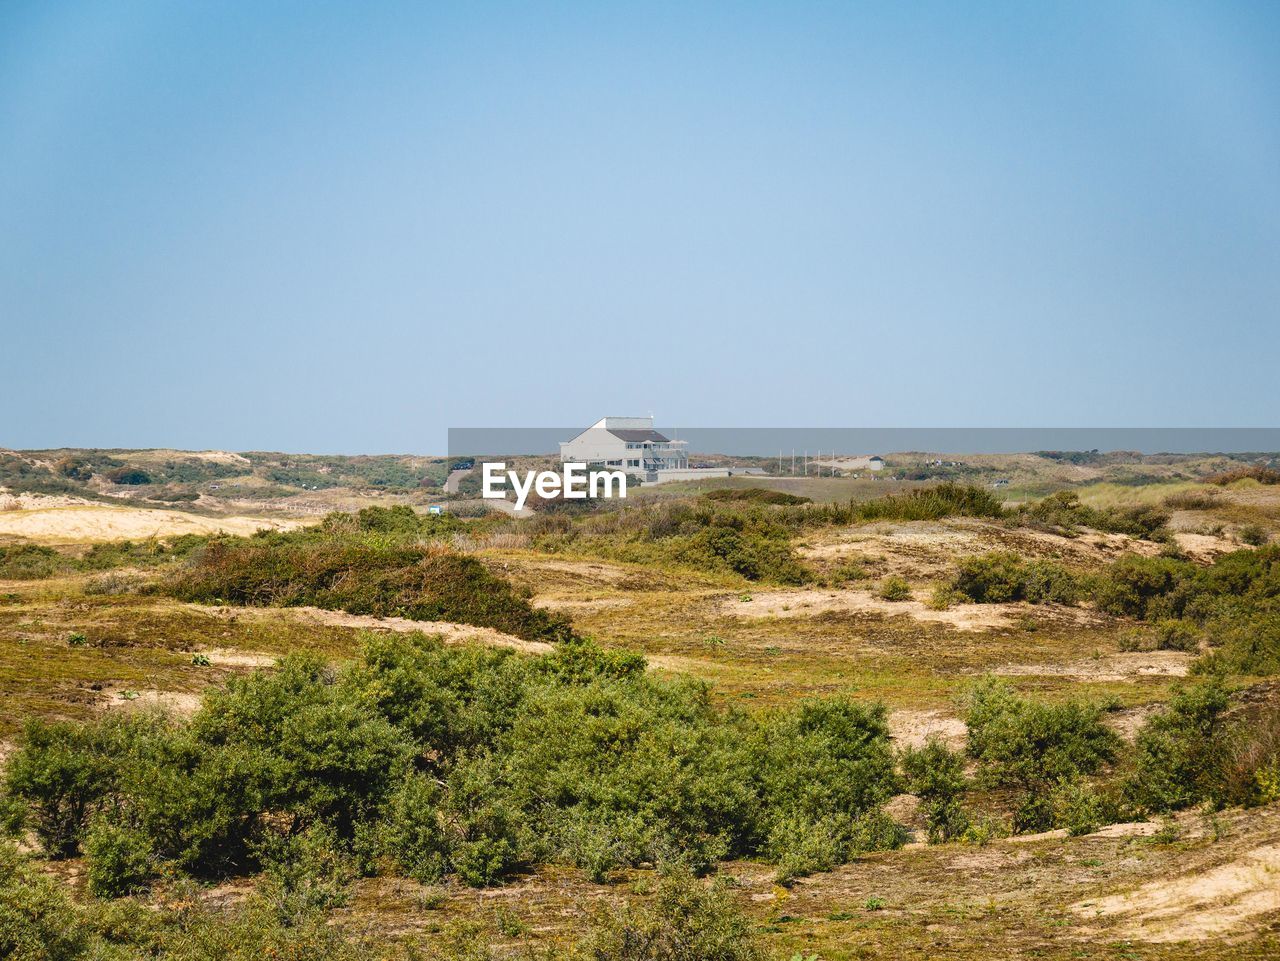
(725, 725)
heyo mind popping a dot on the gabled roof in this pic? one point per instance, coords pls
(639, 436)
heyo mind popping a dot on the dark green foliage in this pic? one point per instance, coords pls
(1162, 587)
(66, 772)
(1145, 587)
(756, 495)
(826, 768)
(754, 555)
(935, 774)
(678, 777)
(119, 859)
(130, 476)
(422, 582)
(687, 920)
(1254, 535)
(38, 922)
(455, 761)
(1000, 577)
(1034, 746)
(1245, 643)
(1180, 752)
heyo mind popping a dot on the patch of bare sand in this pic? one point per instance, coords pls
(226, 657)
(914, 728)
(452, 633)
(809, 603)
(1204, 547)
(1110, 667)
(581, 604)
(930, 548)
(916, 548)
(77, 523)
(1128, 721)
(181, 703)
(1195, 907)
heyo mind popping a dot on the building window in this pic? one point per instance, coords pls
(613, 463)
(633, 463)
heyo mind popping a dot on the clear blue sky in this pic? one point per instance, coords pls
(346, 227)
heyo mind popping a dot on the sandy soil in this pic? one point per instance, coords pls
(1199, 906)
(176, 702)
(1111, 667)
(808, 603)
(452, 633)
(914, 728)
(69, 523)
(585, 604)
(226, 657)
(1204, 547)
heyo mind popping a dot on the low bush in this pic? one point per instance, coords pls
(458, 762)
(686, 920)
(1192, 500)
(1254, 535)
(422, 582)
(894, 589)
(32, 562)
(935, 774)
(1167, 635)
(1063, 512)
(755, 495)
(38, 921)
(1033, 746)
(1180, 752)
(1001, 577)
(119, 859)
(1263, 475)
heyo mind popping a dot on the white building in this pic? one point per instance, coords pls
(630, 444)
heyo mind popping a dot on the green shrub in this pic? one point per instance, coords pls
(1254, 535)
(687, 920)
(131, 476)
(1080, 808)
(119, 860)
(412, 832)
(1064, 513)
(756, 495)
(426, 583)
(1180, 752)
(1001, 577)
(894, 589)
(31, 562)
(1034, 746)
(64, 772)
(935, 774)
(38, 922)
(1166, 635)
(1144, 587)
